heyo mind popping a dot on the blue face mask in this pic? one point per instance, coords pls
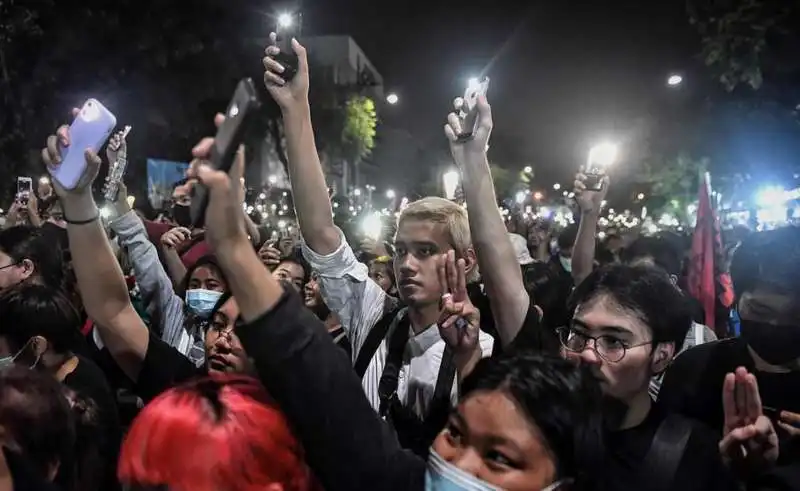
(201, 302)
(441, 475)
(566, 263)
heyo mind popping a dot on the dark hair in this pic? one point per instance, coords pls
(36, 416)
(296, 257)
(208, 261)
(567, 237)
(768, 257)
(560, 398)
(645, 291)
(25, 242)
(90, 464)
(663, 253)
(38, 310)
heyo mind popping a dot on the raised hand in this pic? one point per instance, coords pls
(51, 156)
(175, 237)
(478, 144)
(294, 92)
(269, 255)
(459, 321)
(589, 201)
(224, 217)
(116, 144)
(748, 435)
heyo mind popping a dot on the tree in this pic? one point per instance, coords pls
(358, 134)
(673, 183)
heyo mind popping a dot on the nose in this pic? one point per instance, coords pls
(468, 461)
(589, 354)
(224, 339)
(408, 265)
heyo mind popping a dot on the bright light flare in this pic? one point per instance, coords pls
(603, 155)
(392, 99)
(537, 195)
(372, 226)
(473, 82)
(451, 180)
(770, 197)
(520, 197)
(285, 20)
(390, 194)
(674, 80)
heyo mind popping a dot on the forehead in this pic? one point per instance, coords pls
(492, 415)
(292, 268)
(412, 230)
(204, 272)
(603, 313)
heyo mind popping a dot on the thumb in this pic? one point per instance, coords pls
(237, 172)
(219, 118)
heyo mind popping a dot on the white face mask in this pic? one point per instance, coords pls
(566, 263)
(441, 475)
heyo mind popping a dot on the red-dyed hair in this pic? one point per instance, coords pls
(214, 433)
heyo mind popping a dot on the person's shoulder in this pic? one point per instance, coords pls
(696, 357)
(87, 376)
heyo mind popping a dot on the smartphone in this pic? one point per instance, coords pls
(469, 109)
(24, 188)
(90, 129)
(289, 26)
(242, 110)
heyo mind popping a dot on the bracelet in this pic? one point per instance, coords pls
(82, 222)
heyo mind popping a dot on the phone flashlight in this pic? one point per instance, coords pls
(601, 157)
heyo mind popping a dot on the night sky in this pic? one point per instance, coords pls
(564, 74)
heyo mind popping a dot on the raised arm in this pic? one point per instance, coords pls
(100, 280)
(590, 203)
(346, 443)
(309, 190)
(501, 273)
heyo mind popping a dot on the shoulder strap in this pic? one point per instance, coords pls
(376, 335)
(666, 451)
(439, 409)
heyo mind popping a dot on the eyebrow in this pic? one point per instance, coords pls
(614, 329)
(417, 243)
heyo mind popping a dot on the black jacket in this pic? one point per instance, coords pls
(347, 445)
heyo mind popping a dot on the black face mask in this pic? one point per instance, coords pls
(776, 344)
(181, 215)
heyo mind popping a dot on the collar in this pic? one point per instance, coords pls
(423, 341)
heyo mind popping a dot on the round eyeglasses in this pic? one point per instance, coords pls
(608, 347)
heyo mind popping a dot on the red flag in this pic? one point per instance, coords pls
(707, 279)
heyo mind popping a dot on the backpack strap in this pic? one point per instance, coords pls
(376, 335)
(666, 451)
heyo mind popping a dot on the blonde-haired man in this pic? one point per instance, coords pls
(407, 340)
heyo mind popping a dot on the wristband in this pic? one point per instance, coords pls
(82, 222)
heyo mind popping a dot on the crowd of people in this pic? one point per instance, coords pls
(457, 356)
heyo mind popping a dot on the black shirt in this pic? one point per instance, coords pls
(24, 474)
(700, 467)
(88, 381)
(346, 443)
(163, 367)
(693, 386)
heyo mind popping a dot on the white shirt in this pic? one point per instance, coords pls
(359, 302)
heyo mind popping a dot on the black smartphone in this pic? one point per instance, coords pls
(289, 26)
(242, 110)
(469, 110)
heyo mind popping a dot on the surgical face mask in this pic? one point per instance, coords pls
(201, 302)
(566, 263)
(181, 215)
(8, 361)
(441, 475)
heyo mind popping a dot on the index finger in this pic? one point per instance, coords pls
(441, 262)
(728, 398)
(461, 279)
(754, 407)
(452, 273)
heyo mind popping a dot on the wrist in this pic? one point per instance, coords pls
(592, 212)
(296, 111)
(79, 207)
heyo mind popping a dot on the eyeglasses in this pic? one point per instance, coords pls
(607, 347)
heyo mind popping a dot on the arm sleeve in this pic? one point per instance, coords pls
(347, 445)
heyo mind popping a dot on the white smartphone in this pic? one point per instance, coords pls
(90, 129)
(469, 109)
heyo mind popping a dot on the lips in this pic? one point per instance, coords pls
(408, 282)
(219, 363)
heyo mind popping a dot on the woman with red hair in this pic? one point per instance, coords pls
(214, 433)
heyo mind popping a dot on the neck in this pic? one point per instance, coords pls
(423, 317)
(60, 365)
(638, 409)
(332, 322)
(763, 366)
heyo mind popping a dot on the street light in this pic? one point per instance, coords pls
(537, 195)
(450, 179)
(556, 186)
(392, 99)
(640, 196)
(285, 20)
(390, 194)
(528, 169)
(674, 80)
